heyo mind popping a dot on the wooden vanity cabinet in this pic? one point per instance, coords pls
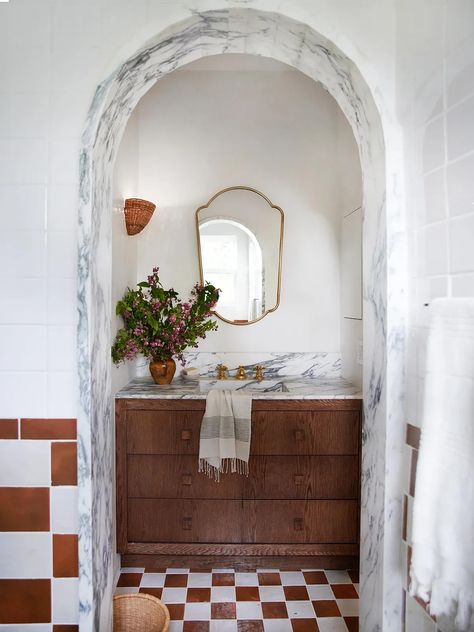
(301, 498)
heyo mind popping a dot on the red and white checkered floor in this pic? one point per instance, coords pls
(268, 600)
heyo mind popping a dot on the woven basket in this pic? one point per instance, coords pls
(137, 214)
(140, 612)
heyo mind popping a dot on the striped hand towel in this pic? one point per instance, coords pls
(225, 433)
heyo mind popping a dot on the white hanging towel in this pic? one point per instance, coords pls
(225, 433)
(442, 568)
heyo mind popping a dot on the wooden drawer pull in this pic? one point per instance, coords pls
(186, 435)
(298, 479)
(187, 524)
(299, 435)
(298, 524)
(186, 479)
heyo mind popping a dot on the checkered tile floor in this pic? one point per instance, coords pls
(268, 600)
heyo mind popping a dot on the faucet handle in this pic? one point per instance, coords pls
(221, 372)
(259, 372)
(241, 375)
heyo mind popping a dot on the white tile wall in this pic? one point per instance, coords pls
(460, 131)
(25, 463)
(65, 598)
(25, 555)
(461, 241)
(461, 186)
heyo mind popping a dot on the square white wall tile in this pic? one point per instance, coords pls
(436, 249)
(460, 130)
(76, 24)
(61, 348)
(416, 618)
(460, 176)
(461, 243)
(25, 463)
(23, 253)
(63, 202)
(24, 115)
(462, 285)
(20, 344)
(25, 69)
(459, 23)
(62, 254)
(435, 203)
(460, 72)
(24, 301)
(64, 161)
(25, 555)
(28, 24)
(433, 145)
(62, 307)
(68, 113)
(15, 386)
(23, 161)
(64, 510)
(65, 597)
(62, 394)
(26, 205)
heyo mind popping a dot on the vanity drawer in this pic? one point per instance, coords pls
(301, 521)
(163, 431)
(300, 477)
(308, 432)
(177, 476)
(169, 520)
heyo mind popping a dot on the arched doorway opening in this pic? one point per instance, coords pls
(298, 45)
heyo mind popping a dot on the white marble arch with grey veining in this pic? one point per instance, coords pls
(273, 35)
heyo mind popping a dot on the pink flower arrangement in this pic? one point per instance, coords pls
(158, 325)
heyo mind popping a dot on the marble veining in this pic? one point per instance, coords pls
(286, 388)
(274, 35)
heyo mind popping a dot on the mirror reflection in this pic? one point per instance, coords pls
(240, 235)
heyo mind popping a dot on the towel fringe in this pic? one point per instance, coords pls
(227, 465)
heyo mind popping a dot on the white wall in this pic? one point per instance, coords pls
(435, 67)
(243, 120)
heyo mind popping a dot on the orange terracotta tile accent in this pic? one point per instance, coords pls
(65, 628)
(24, 509)
(344, 591)
(64, 463)
(413, 436)
(48, 429)
(8, 428)
(405, 518)
(25, 600)
(65, 556)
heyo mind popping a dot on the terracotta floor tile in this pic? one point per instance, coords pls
(129, 579)
(315, 577)
(156, 592)
(304, 625)
(176, 611)
(223, 611)
(352, 623)
(198, 594)
(65, 555)
(48, 429)
(296, 593)
(223, 579)
(354, 575)
(269, 579)
(176, 581)
(155, 569)
(344, 591)
(196, 626)
(326, 608)
(8, 428)
(64, 463)
(247, 593)
(250, 626)
(65, 628)
(25, 601)
(274, 610)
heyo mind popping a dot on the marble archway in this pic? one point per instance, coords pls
(277, 36)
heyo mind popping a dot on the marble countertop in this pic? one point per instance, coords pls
(283, 388)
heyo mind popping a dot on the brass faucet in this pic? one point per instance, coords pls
(221, 372)
(259, 372)
(241, 375)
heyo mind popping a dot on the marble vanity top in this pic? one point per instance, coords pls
(283, 388)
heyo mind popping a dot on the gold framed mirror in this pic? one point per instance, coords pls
(240, 245)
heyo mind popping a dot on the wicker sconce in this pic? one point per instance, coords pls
(137, 214)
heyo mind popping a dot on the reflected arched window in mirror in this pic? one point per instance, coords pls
(240, 238)
(232, 261)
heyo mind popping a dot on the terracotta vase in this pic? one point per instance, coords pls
(162, 371)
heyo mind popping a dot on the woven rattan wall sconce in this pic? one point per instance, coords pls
(137, 214)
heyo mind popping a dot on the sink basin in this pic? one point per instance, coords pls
(207, 384)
